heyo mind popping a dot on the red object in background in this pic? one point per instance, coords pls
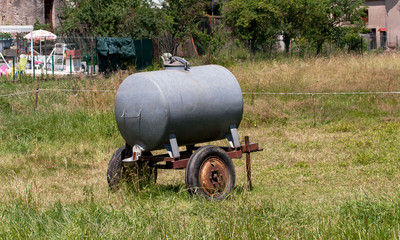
(73, 53)
(382, 29)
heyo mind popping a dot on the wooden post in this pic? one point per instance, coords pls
(87, 65)
(232, 42)
(322, 111)
(270, 49)
(70, 64)
(158, 52)
(251, 50)
(350, 46)
(209, 46)
(315, 116)
(94, 64)
(248, 163)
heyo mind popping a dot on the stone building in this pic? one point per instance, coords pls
(25, 12)
(383, 18)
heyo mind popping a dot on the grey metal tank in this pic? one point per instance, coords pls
(199, 105)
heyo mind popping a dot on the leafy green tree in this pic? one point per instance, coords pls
(95, 17)
(255, 20)
(183, 14)
(146, 21)
(348, 12)
(210, 42)
(291, 16)
(325, 18)
(314, 20)
(317, 23)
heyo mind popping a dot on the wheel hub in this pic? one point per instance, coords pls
(213, 176)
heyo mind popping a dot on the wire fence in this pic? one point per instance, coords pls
(244, 93)
(259, 107)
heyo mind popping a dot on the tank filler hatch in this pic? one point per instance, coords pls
(175, 63)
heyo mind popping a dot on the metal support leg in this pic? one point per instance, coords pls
(233, 137)
(172, 147)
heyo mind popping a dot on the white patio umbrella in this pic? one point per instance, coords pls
(40, 35)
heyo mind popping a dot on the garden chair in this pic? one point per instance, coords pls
(22, 65)
(3, 70)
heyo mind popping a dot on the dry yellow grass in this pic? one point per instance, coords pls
(345, 73)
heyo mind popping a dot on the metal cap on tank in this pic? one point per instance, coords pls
(176, 63)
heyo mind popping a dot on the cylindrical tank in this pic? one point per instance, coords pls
(198, 105)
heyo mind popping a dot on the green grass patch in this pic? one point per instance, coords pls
(330, 168)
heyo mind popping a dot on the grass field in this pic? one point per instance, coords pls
(330, 168)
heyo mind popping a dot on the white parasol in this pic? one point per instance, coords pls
(40, 35)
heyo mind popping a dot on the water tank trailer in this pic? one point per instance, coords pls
(181, 106)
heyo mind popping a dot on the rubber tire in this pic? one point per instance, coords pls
(115, 168)
(117, 173)
(192, 171)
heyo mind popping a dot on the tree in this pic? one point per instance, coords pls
(291, 18)
(314, 20)
(183, 14)
(95, 17)
(146, 21)
(347, 12)
(253, 20)
(117, 18)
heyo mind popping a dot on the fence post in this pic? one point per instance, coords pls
(45, 64)
(350, 46)
(94, 64)
(95, 55)
(315, 116)
(87, 65)
(13, 69)
(33, 66)
(270, 49)
(52, 65)
(70, 64)
(37, 94)
(307, 48)
(322, 111)
(141, 51)
(159, 53)
(251, 50)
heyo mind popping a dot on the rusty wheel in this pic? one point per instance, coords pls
(210, 173)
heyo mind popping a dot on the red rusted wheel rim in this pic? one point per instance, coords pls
(213, 176)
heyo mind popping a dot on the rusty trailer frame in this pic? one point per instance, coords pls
(164, 161)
